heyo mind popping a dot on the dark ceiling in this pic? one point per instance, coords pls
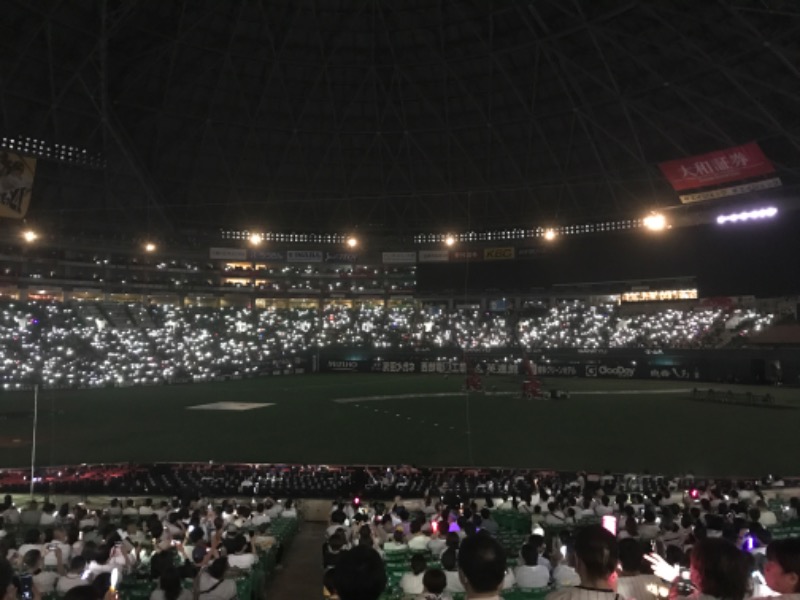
(389, 115)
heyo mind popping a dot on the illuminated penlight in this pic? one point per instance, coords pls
(749, 215)
(30, 236)
(352, 242)
(256, 239)
(550, 235)
(450, 240)
(655, 222)
(149, 247)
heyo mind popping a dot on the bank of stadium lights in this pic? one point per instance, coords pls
(655, 222)
(30, 236)
(550, 235)
(352, 242)
(255, 239)
(748, 215)
(285, 238)
(36, 148)
(449, 240)
(150, 247)
(509, 235)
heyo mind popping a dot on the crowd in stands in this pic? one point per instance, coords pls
(159, 546)
(89, 345)
(584, 541)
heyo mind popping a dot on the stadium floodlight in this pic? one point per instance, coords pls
(352, 242)
(550, 235)
(30, 236)
(655, 222)
(255, 239)
(748, 215)
(450, 240)
(149, 247)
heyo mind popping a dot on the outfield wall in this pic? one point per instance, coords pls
(751, 366)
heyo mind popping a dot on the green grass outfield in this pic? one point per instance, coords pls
(613, 427)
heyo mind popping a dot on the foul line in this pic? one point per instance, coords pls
(457, 394)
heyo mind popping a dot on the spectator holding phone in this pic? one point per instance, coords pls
(595, 558)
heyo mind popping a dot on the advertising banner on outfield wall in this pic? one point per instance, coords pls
(399, 258)
(227, 253)
(463, 255)
(505, 253)
(341, 257)
(434, 256)
(16, 184)
(267, 255)
(304, 256)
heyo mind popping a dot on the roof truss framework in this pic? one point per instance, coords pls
(401, 116)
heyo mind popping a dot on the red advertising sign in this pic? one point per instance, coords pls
(714, 168)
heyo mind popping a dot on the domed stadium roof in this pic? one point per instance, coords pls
(399, 115)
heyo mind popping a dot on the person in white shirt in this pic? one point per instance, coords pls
(418, 540)
(396, 544)
(632, 583)
(274, 509)
(649, 530)
(531, 574)
(114, 508)
(130, 510)
(768, 518)
(782, 569)
(242, 557)
(74, 577)
(289, 510)
(411, 583)
(147, 508)
(259, 517)
(48, 517)
(450, 567)
(45, 581)
(604, 507)
(436, 543)
(595, 562)
(212, 585)
(482, 566)
(59, 541)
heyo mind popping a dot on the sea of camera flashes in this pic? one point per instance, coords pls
(81, 346)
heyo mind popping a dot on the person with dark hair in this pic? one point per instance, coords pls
(482, 565)
(782, 569)
(488, 524)
(531, 574)
(73, 578)
(82, 592)
(418, 541)
(434, 582)
(720, 570)
(170, 587)
(449, 560)
(397, 543)
(359, 575)
(595, 556)
(411, 583)
(211, 583)
(632, 582)
(243, 556)
(33, 564)
(332, 549)
(8, 590)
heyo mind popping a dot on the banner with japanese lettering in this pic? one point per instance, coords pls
(16, 184)
(717, 168)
